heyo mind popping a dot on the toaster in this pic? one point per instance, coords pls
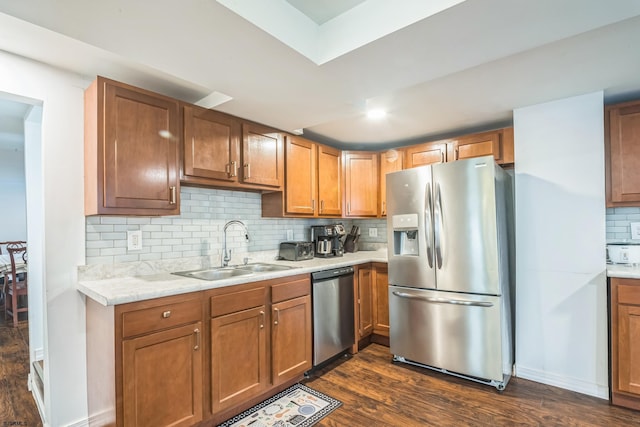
(296, 251)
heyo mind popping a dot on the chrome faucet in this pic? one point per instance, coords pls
(227, 255)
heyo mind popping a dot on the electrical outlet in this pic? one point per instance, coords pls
(635, 230)
(373, 232)
(134, 240)
(289, 235)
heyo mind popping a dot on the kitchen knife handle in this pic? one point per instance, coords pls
(428, 222)
(443, 300)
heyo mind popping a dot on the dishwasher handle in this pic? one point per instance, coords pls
(330, 274)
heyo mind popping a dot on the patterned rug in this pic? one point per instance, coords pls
(297, 406)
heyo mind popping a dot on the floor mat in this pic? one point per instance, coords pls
(297, 406)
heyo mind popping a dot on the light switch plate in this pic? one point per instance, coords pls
(134, 240)
(635, 230)
(373, 232)
(289, 235)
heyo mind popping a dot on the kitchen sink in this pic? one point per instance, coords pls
(214, 273)
(228, 272)
(261, 267)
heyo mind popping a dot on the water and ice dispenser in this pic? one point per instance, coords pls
(405, 235)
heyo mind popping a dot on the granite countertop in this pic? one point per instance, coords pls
(623, 271)
(123, 290)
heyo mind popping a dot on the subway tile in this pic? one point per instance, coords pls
(113, 220)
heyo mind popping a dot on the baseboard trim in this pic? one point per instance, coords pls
(573, 384)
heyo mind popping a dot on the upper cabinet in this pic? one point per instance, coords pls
(390, 161)
(361, 183)
(312, 182)
(262, 157)
(622, 150)
(131, 151)
(425, 154)
(498, 143)
(211, 146)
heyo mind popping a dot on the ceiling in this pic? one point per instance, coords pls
(437, 67)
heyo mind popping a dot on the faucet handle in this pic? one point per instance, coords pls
(245, 260)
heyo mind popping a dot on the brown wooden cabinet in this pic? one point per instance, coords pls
(291, 330)
(361, 183)
(498, 143)
(364, 301)
(312, 182)
(428, 153)
(625, 342)
(622, 151)
(153, 376)
(390, 161)
(262, 157)
(131, 151)
(380, 281)
(211, 147)
(238, 344)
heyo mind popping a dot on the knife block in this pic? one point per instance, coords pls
(351, 243)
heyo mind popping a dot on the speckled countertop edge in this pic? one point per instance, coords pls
(623, 271)
(123, 290)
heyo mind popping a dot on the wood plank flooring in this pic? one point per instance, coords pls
(376, 392)
(17, 407)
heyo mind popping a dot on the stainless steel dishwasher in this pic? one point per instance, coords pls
(333, 322)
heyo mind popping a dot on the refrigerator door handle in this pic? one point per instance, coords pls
(428, 221)
(444, 300)
(438, 228)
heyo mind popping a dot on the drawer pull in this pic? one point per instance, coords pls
(166, 314)
(261, 319)
(277, 316)
(197, 332)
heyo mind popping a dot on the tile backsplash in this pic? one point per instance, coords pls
(618, 222)
(197, 231)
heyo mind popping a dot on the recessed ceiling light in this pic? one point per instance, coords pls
(376, 114)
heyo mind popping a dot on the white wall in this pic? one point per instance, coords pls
(61, 95)
(561, 324)
(13, 214)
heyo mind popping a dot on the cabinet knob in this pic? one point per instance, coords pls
(166, 314)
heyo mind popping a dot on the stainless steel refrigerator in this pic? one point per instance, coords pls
(450, 237)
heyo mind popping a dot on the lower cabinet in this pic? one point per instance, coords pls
(625, 342)
(159, 363)
(372, 302)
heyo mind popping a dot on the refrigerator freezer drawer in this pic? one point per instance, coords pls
(461, 333)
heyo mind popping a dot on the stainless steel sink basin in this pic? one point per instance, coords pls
(228, 272)
(260, 267)
(214, 273)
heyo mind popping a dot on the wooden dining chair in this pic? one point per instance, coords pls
(16, 283)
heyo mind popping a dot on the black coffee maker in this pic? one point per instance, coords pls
(327, 240)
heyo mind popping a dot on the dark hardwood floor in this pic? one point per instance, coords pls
(376, 392)
(17, 407)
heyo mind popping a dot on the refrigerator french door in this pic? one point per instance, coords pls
(448, 242)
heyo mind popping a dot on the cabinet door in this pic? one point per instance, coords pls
(623, 166)
(483, 144)
(390, 161)
(262, 156)
(211, 145)
(238, 358)
(365, 302)
(629, 349)
(329, 181)
(291, 339)
(140, 152)
(380, 281)
(300, 165)
(425, 154)
(162, 378)
(361, 184)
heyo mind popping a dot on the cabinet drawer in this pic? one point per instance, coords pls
(161, 317)
(237, 301)
(289, 290)
(629, 293)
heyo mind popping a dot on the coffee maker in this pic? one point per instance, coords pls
(327, 240)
